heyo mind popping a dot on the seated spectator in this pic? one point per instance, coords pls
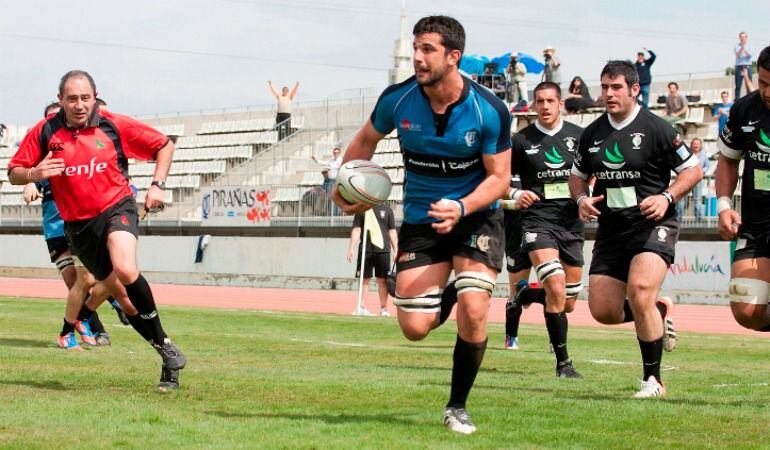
(676, 105)
(578, 99)
(722, 110)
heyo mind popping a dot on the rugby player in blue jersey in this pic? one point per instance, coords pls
(455, 141)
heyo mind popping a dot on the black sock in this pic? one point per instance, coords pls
(141, 327)
(448, 300)
(556, 324)
(466, 362)
(67, 328)
(652, 353)
(512, 319)
(532, 295)
(85, 313)
(96, 324)
(140, 294)
(628, 315)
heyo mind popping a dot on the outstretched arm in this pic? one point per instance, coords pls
(294, 90)
(273, 89)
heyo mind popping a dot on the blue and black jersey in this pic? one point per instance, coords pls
(442, 152)
(53, 224)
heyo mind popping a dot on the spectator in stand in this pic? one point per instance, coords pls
(578, 98)
(552, 70)
(331, 167)
(743, 55)
(517, 73)
(645, 77)
(722, 110)
(3, 129)
(676, 104)
(696, 145)
(284, 99)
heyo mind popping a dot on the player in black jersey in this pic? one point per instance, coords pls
(747, 136)
(632, 152)
(542, 154)
(517, 263)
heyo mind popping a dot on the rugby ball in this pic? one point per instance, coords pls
(360, 180)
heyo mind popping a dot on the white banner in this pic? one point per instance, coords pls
(700, 266)
(235, 206)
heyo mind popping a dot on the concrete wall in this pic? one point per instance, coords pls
(700, 272)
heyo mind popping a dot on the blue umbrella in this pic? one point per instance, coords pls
(532, 65)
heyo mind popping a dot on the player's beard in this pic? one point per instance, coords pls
(436, 75)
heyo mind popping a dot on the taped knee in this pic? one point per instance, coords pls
(573, 289)
(63, 263)
(428, 302)
(549, 269)
(474, 282)
(749, 290)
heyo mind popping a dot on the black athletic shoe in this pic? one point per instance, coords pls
(121, 315)
(169, 379)
(103, 339)
(567, 370)
(172, 356)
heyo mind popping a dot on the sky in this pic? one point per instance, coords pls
(166, 56)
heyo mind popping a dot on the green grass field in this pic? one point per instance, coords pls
(280, 380)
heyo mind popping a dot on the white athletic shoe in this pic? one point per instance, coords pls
(362, 312)
(669, 332)
(384, 312)
(458, 420)
(651, 389)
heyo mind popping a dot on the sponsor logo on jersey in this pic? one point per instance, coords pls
(86, 169)
(615, 159)
(407, 125)
(618, 175)
(471, 138)
(124, 220)
(749, 127)
(569, 141)
(382, 214)
(596, 147)
(636, 139)
(55, 146)
(764, 142)
(533, 150)
(555, 173)
(727, 135)
(99, 144)
(553, 160)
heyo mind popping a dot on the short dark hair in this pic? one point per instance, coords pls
(676, 85)
(100, 102)
(49, 106)
(76, 74)
(764, 58)
(451, 31)
(547, 85)
(615, 68)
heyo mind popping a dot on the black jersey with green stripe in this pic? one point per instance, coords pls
(631, 161)
(543, 159)
(747, 135)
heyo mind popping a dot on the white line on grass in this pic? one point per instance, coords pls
(725, 385)
(627, 363)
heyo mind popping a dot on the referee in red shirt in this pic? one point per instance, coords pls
(84, 152)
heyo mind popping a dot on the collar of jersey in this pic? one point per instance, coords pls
(545, 130)
(625, 123)
(463, 95)
(93, 121)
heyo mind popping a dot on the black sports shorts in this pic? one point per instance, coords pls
(478, 236)
(752, 245)
(377, 264)
(515, 259)
(613, 251)
(88, 238)
(569, 244)
(56, 247)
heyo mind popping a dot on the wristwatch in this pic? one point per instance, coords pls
(160, 184)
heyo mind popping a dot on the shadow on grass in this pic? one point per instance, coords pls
(326, 418)
(448, 369)
(48, 385)
(15, 342)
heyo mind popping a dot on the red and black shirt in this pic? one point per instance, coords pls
(95, 176)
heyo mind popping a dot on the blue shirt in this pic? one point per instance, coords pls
(442, 152)
(725, 107)
(53, 224)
